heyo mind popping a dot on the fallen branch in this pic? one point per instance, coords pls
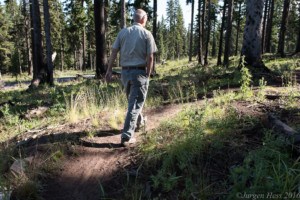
(284, 129)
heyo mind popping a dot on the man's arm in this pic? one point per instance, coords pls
(112, 59)
(150, 60)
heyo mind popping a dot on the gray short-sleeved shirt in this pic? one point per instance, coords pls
(134, 43)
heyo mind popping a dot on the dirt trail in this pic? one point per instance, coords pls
(83, 173)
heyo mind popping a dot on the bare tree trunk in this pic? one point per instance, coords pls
(48, 42)
(83, 45)
(27, 38)
(208, 33)
(37, 50)
(101, 61)
(238, 28)
(154, 31)
(283, 28)
(200, 50)
(203, 27)
(264, 26)
(269, 27)
(214, 44)
(219, 62)
(252, 33)
(191, 32)
(62, 50)
(228, 33)
(123, 14)
(298, 39)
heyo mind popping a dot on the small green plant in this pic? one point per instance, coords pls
(290, 97)
(246, 82)
(261, 90)
(266, 170)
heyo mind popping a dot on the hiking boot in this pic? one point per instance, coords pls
(126, 141)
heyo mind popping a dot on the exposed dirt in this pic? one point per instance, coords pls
(84, 172)
(100, 167)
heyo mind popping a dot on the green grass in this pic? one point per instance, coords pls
(203, 153)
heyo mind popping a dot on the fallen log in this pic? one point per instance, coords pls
(282, 128)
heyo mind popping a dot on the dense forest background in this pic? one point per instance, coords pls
(223, 109)
(81, 32)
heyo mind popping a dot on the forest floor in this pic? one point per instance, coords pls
(216, 126)
(99, 167)
(96, 162)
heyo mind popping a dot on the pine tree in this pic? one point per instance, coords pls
(101, 61)
(283, 28)
(5, 43)
(191, 29)
(252, 34)
(180, 31)
(228, 33)
(171, 20)
(161, 43)
(48, 42)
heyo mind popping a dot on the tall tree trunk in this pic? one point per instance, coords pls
(27, 39)
(37, 50)
(203, 27)
(101, 61)
(62, 50)
(252, 34)
(219, 62)
(191, 32)
(83, 45)
(269, 27)
(214, 43)
(123, 14)
(154, 30)
(238, 28)
(264, 26)
(208, 32)
(200, 50)
(48, 42)
(283, 27)
(228, 34)
(298, 39)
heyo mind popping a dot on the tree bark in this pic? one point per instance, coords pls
(269, 27)
(219, 62)
(228, 33)
(123, 14)
(191, 32)
(101, 61)
(238, 28)
(37, 50)
(214, 43)
(27, 39)
(208, 32)
(200, 50)
(203, 27)
(264, 26)
(283, 27)
(298, 39)
(48, 42)
(154, 31)
(83, 64)
(252, 34)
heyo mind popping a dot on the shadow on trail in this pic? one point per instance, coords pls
(12, 84)
(101, 139)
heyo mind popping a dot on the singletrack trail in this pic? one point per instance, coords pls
(91, 172)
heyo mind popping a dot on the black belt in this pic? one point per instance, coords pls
(138, 68)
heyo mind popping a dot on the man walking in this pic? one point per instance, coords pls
(137, 48)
